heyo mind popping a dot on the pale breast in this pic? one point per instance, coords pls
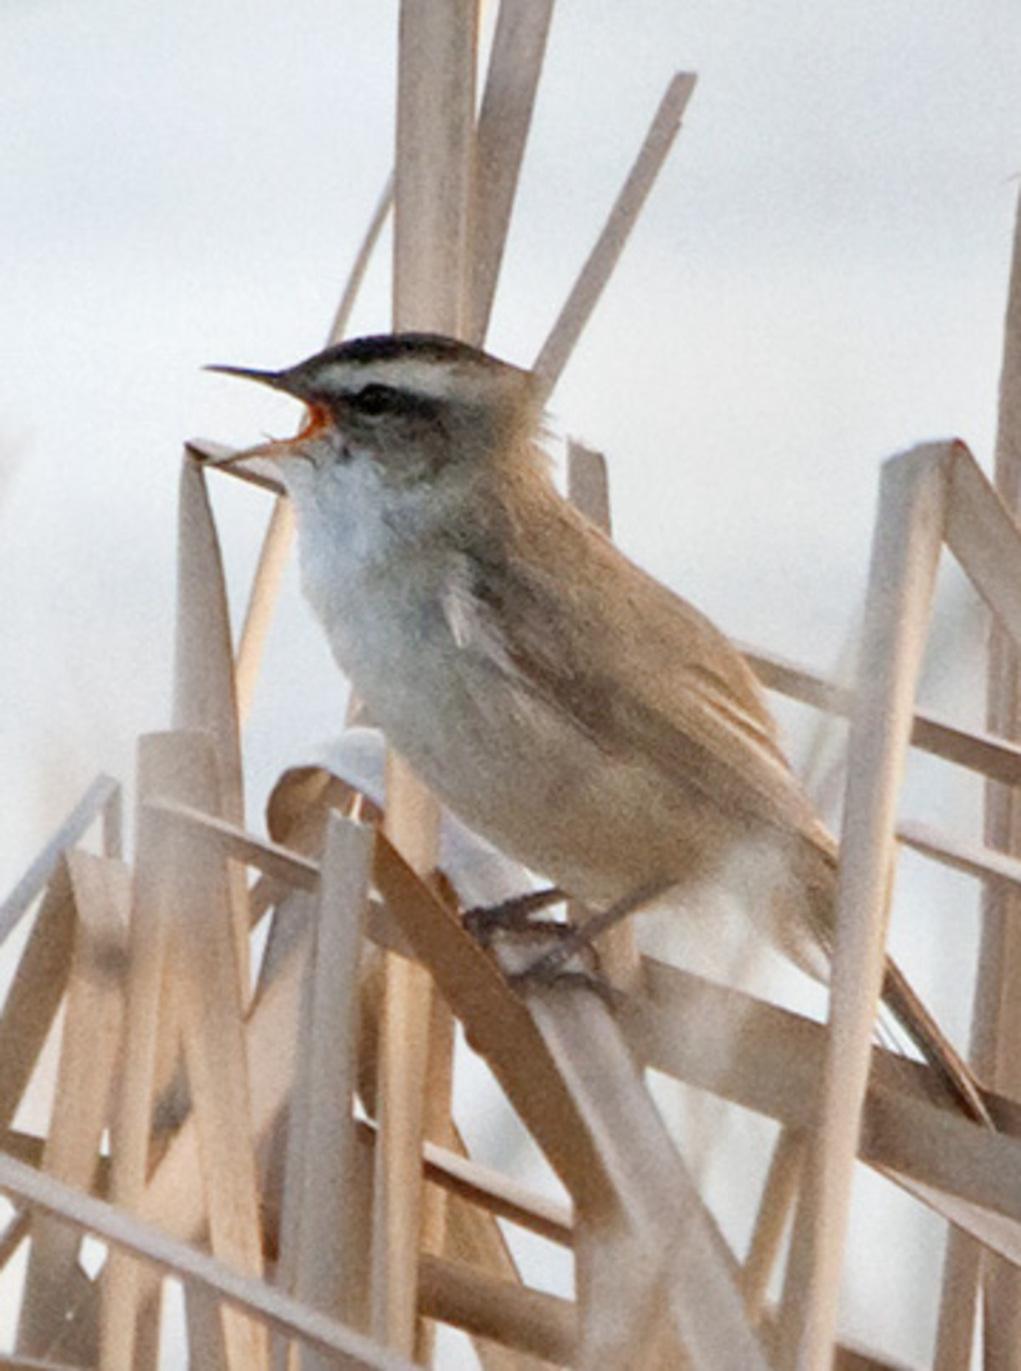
(509, 764)
(440, 676)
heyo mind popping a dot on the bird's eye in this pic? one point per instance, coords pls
(374, 399)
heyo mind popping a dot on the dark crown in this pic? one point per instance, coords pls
(388, 347)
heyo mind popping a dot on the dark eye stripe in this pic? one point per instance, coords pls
(376, 399)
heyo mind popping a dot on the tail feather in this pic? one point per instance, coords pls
(817, 872)
(910, 1011)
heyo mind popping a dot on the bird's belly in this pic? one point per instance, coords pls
(601, 827)
(516, 769)
(537, 786)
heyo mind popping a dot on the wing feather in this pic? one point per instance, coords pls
(634, 667)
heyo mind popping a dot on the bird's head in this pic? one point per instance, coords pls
(397, 418)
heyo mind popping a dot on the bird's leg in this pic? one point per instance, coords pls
(513, 934)
(552, 965)
(484, 922)
(518, 954)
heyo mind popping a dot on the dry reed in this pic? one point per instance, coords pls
(306, 1236)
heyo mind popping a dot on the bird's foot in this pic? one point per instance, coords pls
(581, 936)
(528, 949)
(487, 922)
(554, 966)
(544, 953)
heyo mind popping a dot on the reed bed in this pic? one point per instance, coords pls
(205, 1123)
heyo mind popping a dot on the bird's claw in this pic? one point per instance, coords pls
(485, 923)
(569, 961)
(544, 972)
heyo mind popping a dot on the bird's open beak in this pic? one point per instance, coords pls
(279, 380)
(275, 449)
(270, 451)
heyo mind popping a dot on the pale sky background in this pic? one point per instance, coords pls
(818, 281)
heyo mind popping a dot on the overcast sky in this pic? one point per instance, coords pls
(818, 281)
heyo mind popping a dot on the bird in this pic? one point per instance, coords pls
(582, 716)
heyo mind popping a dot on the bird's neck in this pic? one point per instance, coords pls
(364, 541)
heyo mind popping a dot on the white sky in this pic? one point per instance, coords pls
(818, 281)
